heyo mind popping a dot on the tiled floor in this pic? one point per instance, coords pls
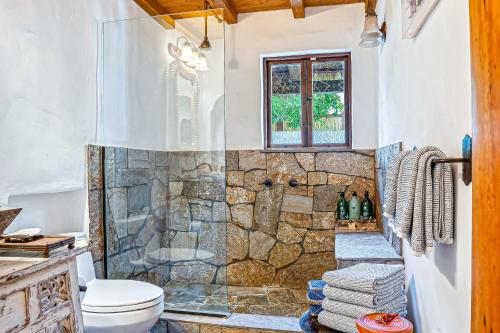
(211, 298)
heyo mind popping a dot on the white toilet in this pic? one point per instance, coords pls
(117, 306)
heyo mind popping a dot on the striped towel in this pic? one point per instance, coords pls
(397, 305)
(369, 278)
(337, 322)
(361, 298)
(391, 187)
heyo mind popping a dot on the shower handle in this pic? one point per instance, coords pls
(267, 183)
(293, 182)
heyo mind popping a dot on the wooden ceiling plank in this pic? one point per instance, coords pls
(230, 13)
(153, 8)
(298, 8)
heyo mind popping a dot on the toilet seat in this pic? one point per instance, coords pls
(114, 296)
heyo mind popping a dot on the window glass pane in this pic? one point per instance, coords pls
(286, 104)
(328, 102)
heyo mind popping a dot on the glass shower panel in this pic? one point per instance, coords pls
(162, 123)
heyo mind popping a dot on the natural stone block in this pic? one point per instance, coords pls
(317, 178)
(284, 254)
(181, 327)
(297, 220)
(136, 220)
(133, 177)
(251, 159)
(118, 206)
(267, 209)
(237, 243)
(158, 195)
(193, 271)
(298, 190)
(161, 159)
(138, 159)
(360, 185)
(260, 245)
(175, 189)
(182, 166)
(231, 160)
(325, 197)
(250, 273)
(288, 234)
(242, 215)
(139, 197)
(184, 239)
(179, 214)
(254, 180)
(335, 179)
(297, 204)
(308, 267)
(319, 241)
(306, 161)
(121, 266)
(201, 213)
(324, 220)
(239, 195)
(235, 178)
(281, 167)
(219, 211)
(210, 238)
(207, 190)
(346, 163)
(147, 232)
(95, 170)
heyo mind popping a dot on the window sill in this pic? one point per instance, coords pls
(312, 150)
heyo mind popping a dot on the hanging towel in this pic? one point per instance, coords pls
(361, 298)
(391, 188)
(397, 305)
(443, 203)
(369, 278)
(337, 322)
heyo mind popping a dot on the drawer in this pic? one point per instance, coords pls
(13, 310)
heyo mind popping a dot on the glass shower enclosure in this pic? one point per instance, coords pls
(162, 126)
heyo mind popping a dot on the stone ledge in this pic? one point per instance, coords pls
(355, 248)
(236, 323)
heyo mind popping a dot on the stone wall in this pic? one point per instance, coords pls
(383, 157)
(283, 236)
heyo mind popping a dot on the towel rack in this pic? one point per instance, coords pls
(466, 159)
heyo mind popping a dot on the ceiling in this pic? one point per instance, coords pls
(231, 8)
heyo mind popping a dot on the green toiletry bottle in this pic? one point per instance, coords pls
(354, 208)
(342, 207)
(367, 207)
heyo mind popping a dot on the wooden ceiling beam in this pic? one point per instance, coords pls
(230, 13)
(153, 8)
(298, 8)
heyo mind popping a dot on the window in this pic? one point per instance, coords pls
(307, 101)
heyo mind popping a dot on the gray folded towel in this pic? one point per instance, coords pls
(391, 187)
(369, 278)
(337, 322)
(361, 298)
(397, 305)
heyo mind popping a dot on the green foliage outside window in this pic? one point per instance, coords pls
(286, 109)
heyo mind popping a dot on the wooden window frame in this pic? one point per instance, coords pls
(306, 61)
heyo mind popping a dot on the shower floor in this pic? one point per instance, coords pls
(211, 298)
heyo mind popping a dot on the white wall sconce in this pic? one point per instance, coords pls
(372, 36)
(188, 54)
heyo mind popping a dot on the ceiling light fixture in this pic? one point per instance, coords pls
(206, 43)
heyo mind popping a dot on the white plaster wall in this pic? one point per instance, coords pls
(48, 105)
(425, 99)
(324, 28)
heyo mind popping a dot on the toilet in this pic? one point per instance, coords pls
(117, 306)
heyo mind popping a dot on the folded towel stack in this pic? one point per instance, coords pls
(359, 290)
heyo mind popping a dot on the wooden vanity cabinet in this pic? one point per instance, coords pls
(40, 295)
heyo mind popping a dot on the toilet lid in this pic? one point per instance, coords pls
(120, 296)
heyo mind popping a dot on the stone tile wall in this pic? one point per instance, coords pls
(384, 155)
(284, 236)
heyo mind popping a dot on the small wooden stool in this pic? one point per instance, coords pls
(383, 323)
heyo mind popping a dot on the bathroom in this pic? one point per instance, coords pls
(178, 175)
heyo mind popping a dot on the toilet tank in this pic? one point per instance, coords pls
(85, 267)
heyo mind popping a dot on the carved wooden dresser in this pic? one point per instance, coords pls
(40, 295)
